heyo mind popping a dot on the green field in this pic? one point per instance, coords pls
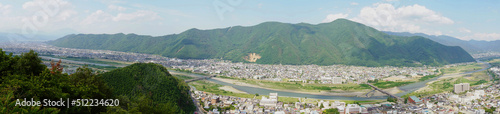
(494, 62)
(390, 84)
(462, 68)
(306, 86)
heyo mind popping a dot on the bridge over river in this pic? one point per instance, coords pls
(199, 78)
(384, 92)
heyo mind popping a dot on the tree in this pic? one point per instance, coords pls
(56, 67)
(28, 63)
(331, 111)
(86, 85)
(321, 106)
(24, 77)
(392, 99)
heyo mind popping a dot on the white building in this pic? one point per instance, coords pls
(272, 101)
(462, 87)
(353, 109)
(337, 80)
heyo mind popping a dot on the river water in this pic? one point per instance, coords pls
(406, 89)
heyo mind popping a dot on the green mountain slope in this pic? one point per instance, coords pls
(338, 42)
(148, 81)
(471, 46)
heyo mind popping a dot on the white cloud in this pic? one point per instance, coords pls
(5, 9)
(386, 17)
(100, 16)
(36, 5)
(58, 10)
(96, 17)
(332, 17)
(118, 8)
(464, 30)
(482, 36)
(354, 3)
(141, 14)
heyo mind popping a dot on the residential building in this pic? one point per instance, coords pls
(271, 101)
(462, 87)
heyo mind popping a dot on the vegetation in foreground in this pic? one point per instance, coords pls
(149, 88)
(24, 76)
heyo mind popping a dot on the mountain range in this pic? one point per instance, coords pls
(471, 46)
(339, 42)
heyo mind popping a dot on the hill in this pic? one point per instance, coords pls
(150, 83)
(471, 46)
(339, 42)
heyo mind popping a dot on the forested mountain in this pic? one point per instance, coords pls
(339, 42)
(152, 85)
(471, 46)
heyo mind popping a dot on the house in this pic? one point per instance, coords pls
(215, 99)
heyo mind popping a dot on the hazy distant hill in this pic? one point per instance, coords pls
(472, 46)
(14, 37)
(338, 42)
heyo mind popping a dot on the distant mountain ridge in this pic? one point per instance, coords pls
(472, 46)
(339, 42)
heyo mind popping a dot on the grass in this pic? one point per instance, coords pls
(306, 86)
(427, 77)
(494, 62)
(462, 68)
(431, 76)
(390, 84)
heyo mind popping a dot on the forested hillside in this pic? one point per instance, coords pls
(471, 46)
(339, 42)
(150, 83)
(152, 89)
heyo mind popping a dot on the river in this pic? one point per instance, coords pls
(406, 89)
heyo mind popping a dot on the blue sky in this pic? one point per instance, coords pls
(458, 18)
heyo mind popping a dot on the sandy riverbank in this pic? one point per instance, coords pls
(231, 89)
(336, 93)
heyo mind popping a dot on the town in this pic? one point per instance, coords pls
(465, 99)
(334, 74)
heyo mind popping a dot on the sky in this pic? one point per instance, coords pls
(463, 19)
